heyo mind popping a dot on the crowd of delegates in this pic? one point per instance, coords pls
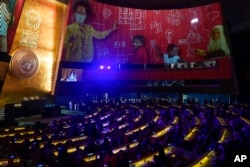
(109, 126)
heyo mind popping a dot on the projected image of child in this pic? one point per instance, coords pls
(217, 46)
(172, 54)
(171, 57)
(140, 52)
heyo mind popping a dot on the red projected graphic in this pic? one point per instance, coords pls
(101, 33)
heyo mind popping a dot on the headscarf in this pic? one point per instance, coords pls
(219, 44)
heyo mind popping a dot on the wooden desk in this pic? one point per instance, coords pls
(149, 159)
(192, 134)
(162, 132)
(205, 160)
(225, 136)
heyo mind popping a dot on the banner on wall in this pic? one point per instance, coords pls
(10, 12)
(98, 32)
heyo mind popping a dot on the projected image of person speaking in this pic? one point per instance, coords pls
(79, 35)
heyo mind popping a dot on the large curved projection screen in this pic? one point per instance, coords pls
(198, 32)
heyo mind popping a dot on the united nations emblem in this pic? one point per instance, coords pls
(24, 63)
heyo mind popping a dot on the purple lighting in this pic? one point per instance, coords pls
(104, 67)
(101, 67)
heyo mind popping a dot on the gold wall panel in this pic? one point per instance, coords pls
(40, 29)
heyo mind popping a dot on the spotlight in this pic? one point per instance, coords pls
(194, 20)
(108, 67)
(101, 67)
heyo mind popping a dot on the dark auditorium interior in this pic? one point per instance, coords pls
(124, 83)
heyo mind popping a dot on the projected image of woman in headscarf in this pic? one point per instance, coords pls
(217, 46)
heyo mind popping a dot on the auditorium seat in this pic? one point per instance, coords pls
(184, 132)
